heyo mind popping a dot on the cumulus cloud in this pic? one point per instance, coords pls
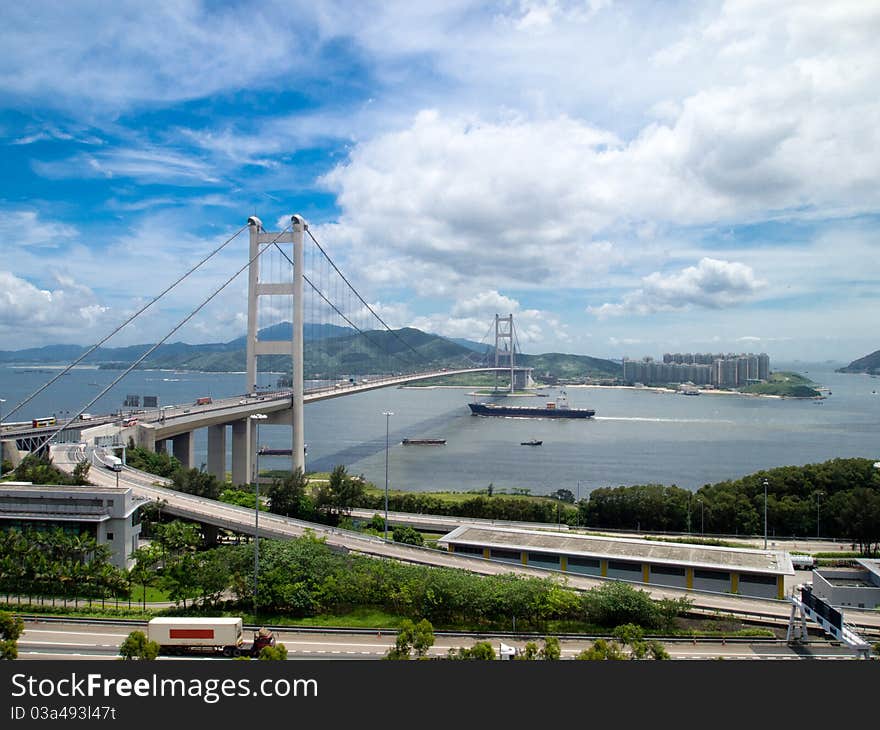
(711, 284)
(485, 302)
(64, 310)
(474, 318)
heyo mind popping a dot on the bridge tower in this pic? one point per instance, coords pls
(504, 343)
(293, 347)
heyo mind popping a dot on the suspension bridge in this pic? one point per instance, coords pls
(351, 349)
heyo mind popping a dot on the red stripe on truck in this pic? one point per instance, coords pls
(191, 633)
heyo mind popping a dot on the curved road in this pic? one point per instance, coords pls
(241, 520)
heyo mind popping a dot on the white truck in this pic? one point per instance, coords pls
(113, 463)
(176, 635)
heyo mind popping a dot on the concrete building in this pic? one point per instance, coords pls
(726, 371)
(108, 514)
(745, 572)
(858, 587)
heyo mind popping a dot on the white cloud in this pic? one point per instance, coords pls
(146, 164)
(25, 229)
(712, 284)
(484, 303)
(70, 307)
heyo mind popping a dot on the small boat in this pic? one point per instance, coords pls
(533, 442)
(423, 442)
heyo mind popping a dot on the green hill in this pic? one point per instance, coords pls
(785, 383)
(331, 353)
(868, 364)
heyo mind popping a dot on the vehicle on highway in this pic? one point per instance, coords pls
(43, 422)
(206, 401)
(113, 463)
(180, 635)
(126, 422)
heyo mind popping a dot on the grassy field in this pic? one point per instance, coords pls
(450, 497)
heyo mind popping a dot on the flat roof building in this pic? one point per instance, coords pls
(858, 587)
(741, 571)
(109, 514)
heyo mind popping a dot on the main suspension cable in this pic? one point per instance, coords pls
(126, 322)
(159, 343)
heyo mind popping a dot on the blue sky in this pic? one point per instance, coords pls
(627, 178)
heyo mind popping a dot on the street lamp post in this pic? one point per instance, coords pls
(577, 514)
(387, 415)
(818, 494)
(766, 484)
(700, 500)
(256, 418)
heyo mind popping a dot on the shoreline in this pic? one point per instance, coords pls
(652, 388)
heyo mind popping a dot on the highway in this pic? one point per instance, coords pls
(241, 520)
(71, 641)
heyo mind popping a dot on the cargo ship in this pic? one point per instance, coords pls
(553, 409)
(266, 451)
(423, 442)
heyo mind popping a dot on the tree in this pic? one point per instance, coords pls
(289, 496)
(551, 651)
(275, 653)
(602, 650)
(81, 472)
(408, 536)
(423, 637)
(143, 572)
(180, 577)
(412, 636)
(342, 491)
(563, 495)
(40, 470)
(11, 627)
(481, 651)
(198, 483)
(615, 603)
(138, 646)
(529, 652)
(628, 634)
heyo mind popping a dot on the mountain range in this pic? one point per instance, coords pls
(333, 352)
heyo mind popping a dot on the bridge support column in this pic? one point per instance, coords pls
(184, 449)
(217, 452)
(9, 451)
(242, 452)
(298, 458)
(161, 446)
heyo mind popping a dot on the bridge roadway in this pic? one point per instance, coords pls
(241, 520)
(174, 420)
(171, 421)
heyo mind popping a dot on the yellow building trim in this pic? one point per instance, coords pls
(604, 568)
(734, 582)
(563, 563)
(689, 577)
(646, 573)
(486, 553)
(780, 587)
(450, 548)
(524, 557)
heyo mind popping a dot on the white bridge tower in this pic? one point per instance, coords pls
(259, 241)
